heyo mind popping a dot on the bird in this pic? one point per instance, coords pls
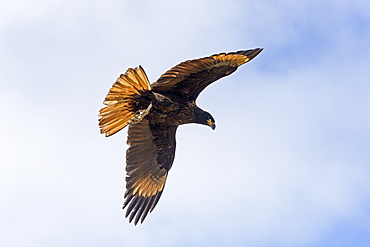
(153, 113)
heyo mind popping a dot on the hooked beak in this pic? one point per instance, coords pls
(211, 124)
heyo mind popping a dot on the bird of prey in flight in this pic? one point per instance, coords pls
(153, 113)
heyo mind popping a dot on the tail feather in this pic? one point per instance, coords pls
(121, 100)
(112, 119)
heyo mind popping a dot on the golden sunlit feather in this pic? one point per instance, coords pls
(119, 111)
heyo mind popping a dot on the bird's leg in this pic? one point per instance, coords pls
(139, 115)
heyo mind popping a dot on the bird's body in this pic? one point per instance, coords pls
(154, 112)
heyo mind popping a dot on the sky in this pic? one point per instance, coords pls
(289, 161)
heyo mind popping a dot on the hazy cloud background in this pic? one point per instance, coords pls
(288, 164)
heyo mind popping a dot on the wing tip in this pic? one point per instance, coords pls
(253, 53)
(235, 59)
(247, 54)
(139, 206)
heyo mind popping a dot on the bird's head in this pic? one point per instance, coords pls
(206, 119)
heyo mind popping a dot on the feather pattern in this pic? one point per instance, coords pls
(154, 112)
(189, 78)
(146, 173)
(120, 100)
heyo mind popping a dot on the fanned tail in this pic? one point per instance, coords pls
(126, 102)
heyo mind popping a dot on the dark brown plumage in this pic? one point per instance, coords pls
(154, 112)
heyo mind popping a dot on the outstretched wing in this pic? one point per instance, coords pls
(149, 158)
(189, 78)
